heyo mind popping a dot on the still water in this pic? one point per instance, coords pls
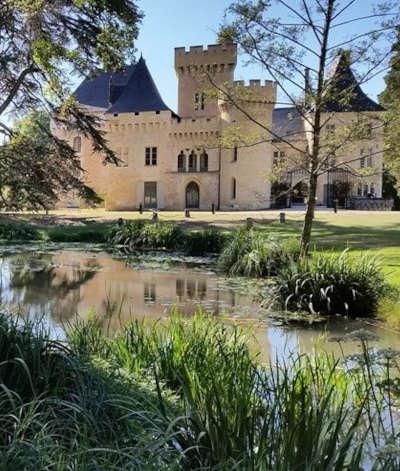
(62, 284)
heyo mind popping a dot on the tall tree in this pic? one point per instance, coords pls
(44, 46)
(297, 49)
(390, 98)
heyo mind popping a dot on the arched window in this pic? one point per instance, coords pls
(77, 145)
(181, 162)
(204, 162)
(233, 188)
(192, 162)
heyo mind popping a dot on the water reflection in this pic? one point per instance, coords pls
(67, 283)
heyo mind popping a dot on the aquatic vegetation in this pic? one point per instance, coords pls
(306, 413)
(92, 232)
(18, 232)
(209, 241)
(58, 411)
(331, 284)
(188, 394)
(249, 253)
(140, 234)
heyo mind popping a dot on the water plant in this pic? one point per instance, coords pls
(331, 284)
(303, 413)
(18, 232)
(252, 254)
(140, 234)
(209, 241)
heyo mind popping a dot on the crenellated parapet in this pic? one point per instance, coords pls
(216, 58)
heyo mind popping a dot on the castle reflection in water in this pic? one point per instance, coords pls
(58, 286)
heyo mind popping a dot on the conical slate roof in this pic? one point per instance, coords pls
(347, 94)
(131, 90)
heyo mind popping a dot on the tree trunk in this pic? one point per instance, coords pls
(309, 217)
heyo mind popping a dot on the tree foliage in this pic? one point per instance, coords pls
(297, 49)
(45, 45)
(390, 98)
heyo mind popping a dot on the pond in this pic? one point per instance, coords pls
(60, 284)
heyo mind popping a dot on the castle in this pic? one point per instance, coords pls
(173, 161)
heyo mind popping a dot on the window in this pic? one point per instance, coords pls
(204, 162)
(365, 189)
(362, 159)
(149, 294)
(372, 188)
(279, 157)
(150, 195)
(198, 101)
(359, 190)
(233, 188)
(181, 162)
(235, 154)
(77, 145)
(151, 156)
(369, 158)
(192, 162)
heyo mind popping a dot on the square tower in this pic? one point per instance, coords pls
(196, 70)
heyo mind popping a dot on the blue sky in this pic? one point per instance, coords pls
(173, 23)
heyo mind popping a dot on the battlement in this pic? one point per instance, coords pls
(212, 55)
(255, 83)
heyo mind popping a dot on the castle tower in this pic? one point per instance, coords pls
(193, 68)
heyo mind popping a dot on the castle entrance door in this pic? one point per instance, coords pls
(193, 195)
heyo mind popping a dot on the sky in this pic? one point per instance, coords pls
(177, 23)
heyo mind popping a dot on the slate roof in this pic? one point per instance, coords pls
(130, 90)
(287, 122)
(348, 95)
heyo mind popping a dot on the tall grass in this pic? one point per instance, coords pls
(305, 414)
(187, 394)
(331, 284)
(252, 254)
(58, 411)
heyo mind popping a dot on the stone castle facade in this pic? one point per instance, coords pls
(174, 161)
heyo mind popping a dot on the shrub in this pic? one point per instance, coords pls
(87, 233)
(332, 284)
(146, 234)
(210, 241)
(251, 254)
(17, 232)
(139, 234)
(161, 235)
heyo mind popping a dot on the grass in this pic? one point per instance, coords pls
(187, 394)
(232, 413)
(331, 284)
(379, 232)
(253, 255)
